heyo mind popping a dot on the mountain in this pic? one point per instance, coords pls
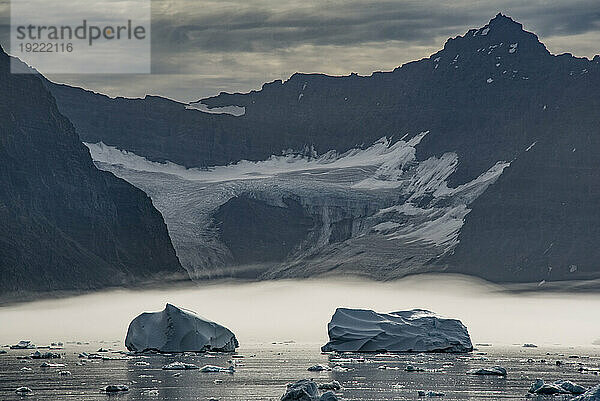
(64, 224)
(500, 182)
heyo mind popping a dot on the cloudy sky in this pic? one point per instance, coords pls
(202, 47)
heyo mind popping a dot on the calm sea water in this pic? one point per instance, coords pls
(281, 326)
(265, 369)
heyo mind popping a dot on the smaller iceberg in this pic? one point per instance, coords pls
(417, 330)
(558, 387)
(306, 390)
(492, 371)
(23, 344)
(179, 366)
(592, 394)
(178, 330)
(217, 369)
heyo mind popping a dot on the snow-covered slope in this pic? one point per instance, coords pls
(376, 211)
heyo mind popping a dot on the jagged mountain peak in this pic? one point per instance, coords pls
(501, 32)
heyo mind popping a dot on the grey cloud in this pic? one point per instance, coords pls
(202, 47)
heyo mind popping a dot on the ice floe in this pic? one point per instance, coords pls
(23, 344)
(180, 366)
(491, 371)
(592, 394)
(115, 388)
(217, 369)
(306, 390)
(24, 391)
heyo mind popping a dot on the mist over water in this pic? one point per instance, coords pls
(300, 310)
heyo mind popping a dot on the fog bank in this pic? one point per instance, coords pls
(300, 310)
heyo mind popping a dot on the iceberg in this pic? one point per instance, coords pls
(417, 330)
(493, 371)
(306, 390)
(23, 390)
(179, 366)
(114, 388)
(216, 369)
(558, 387)
(177, 330)
(592, 394)
(302, 390)
(23, 344)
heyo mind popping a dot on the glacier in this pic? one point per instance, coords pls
(376, 211)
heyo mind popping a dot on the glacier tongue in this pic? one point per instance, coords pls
(377, 211)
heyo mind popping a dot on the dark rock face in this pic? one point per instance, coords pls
(257, 232)
(488, 96)
(64, 225)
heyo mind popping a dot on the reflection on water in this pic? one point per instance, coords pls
(265, 369)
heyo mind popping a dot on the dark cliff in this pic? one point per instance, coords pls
(64, 225)
(487, 95)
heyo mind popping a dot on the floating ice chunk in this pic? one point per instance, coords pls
(570, 387)
(23, 390)
(417, 330)
(23, 344)
(422, 393)
(177, 330)
(45, 355)
(216, 369)
(333, 386)
(306, 390)
(52, 365)
(536, 385)
(328, 396)
(493, 371)
(318, 368)
(592, 394)
(179, 366)
(558, 387)
(114, 388)
(302, 390)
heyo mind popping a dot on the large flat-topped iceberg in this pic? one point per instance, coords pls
(177, 330)
(417, 330)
